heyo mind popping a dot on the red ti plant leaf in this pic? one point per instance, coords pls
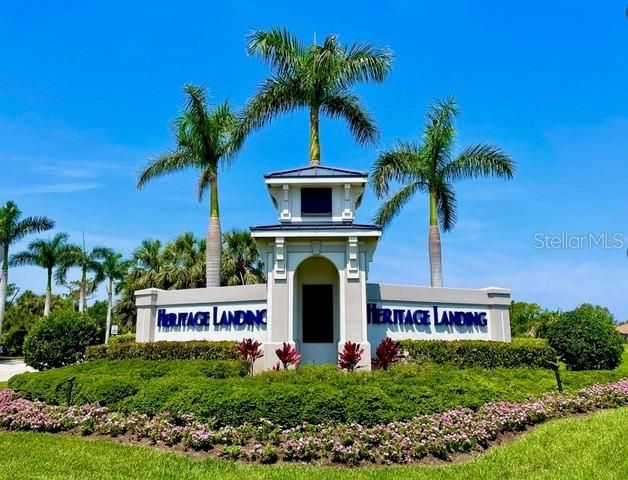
(386, 353)
(249, 350)
(350, 356)
(288, 356)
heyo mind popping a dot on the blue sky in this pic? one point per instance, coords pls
(88, 92)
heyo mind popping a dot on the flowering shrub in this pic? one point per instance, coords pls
(350, 356)
(249, 350)
(288, 356)
(386, 353)
(439, 435)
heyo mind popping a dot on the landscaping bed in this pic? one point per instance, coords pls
(215, 390)
(438, 435)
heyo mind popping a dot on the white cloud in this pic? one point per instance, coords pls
(70, 187)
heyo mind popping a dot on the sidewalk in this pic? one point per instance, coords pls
(12, 366)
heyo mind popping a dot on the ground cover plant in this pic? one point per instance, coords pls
(438, 435)
(314, 394)
(552, 450)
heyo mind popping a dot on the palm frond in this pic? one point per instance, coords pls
(440, 131)
(30, 225)
(279, 48)
(276, 95)
(365, 63)
(348, 107)
(446, 205)
(24, 258)
(480, 160)
(207, 176)
(163, 165)
(397, 165)
(393, 205)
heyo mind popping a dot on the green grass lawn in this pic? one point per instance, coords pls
(592, 447)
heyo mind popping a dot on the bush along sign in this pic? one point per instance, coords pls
(317, 297)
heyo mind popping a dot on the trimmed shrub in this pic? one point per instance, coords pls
(124, 338)
(110, 382)
(586, 339)
(521, 352)
(193, 350)
(60, 340)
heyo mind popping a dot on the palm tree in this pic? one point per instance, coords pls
(147, 264)
(432, 167)
(184, 263)
(12, 229)
(48, 254)
(87, 262)
(317, 77)
(241, 260)
(204, 141)
(114, 269)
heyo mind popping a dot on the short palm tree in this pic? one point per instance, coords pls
(12, 229)
(114, 269)
(241, 260)
(317, 77)
(183, 263)
(147, 262)
(432, 167)
(87, 262)
(204, 141)
(49, 254)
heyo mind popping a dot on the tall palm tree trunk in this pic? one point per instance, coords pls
(214, 238)
(48, 300)
(315, 144)
(434, 247)
(82, 291)
(109, 308)
(4, 283)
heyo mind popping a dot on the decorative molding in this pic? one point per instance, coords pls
(347, 211)
(280, 259)
(316, 247)
(285, 203)
(353, 261)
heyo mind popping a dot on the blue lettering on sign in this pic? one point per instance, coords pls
(202, 318)
(401, 316)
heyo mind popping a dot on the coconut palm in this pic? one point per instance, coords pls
(204, 141)
(114, 268)
(316, 77)
(241, 260)
(12, 229)
(431, 167)
(49, 254)
(87, 262)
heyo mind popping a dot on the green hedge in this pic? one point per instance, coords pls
(123, 338)
(313, 394)
(110, 382)
(521, 352)
(194, 350)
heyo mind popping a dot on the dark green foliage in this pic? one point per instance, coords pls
(197, 349)
(124, 338)
(110, 382)
(218, 390)
(21, 316)
(60, 340)
(521, 352)
(12, 341)
(586, 338)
